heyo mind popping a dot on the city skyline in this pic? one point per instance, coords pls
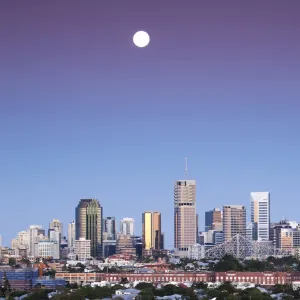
(250, 216)
(86, 114)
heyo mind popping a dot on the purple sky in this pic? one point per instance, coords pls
(85, 113)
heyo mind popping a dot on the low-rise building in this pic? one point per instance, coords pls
(239, 278)
(196, 251)
(47, 248)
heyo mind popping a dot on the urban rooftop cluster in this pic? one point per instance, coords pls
(92, 236)
(95, 253)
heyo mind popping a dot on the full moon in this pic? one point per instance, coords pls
(141, 39)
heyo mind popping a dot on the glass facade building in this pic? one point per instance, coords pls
(89, 224)
(151, 230)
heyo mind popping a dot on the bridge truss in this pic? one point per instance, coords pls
(242, 248)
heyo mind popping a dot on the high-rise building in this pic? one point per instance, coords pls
(260, 215)
(213, 220)
(89, 224)
(71, 234)
(124, 244)
(57, 226)
(151, 230)
(109, 226)
(127, 226)
(82, 249)
(184, 216)
(234, 221)
(35, 234)
(275, 232)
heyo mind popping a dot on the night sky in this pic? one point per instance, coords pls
(85, 113)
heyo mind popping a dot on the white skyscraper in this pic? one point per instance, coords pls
(260, 215)
(35, 233)
(71, 234)
(127, 226)
(185, 227)
(57, 226)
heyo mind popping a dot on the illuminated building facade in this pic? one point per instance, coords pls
(151, 230)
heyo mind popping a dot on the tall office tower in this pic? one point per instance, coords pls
(71, 234)
(260, 215)
(151, 230)
(127, 226)
(213, 220)
(35, 234)
(109, 226)
(234, 221)
(57, 226)
(89, 224)
(184, 216)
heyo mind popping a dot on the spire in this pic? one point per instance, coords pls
(186, 168)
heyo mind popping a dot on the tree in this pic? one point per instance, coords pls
(228, 263)
(214, 293)
(12, 261)
(282, 288)
(5, 289)
(146, 294)
(117, 287)
(50, 273)
(124, 280)
(228, 287)
(200, 285)
(38, 295)
(187, 293)
(144, 286)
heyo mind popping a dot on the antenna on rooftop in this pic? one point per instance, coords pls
(186, 168)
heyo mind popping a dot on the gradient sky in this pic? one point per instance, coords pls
(85, 113)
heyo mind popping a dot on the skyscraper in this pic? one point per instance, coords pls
(151, 230)
(234, 221)
(109, 226)
(260, 215)
(89, 224)
(184, 216)
(71, 234)
(213, 220)
(127, 226)
(35, 233)
(57, 226)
